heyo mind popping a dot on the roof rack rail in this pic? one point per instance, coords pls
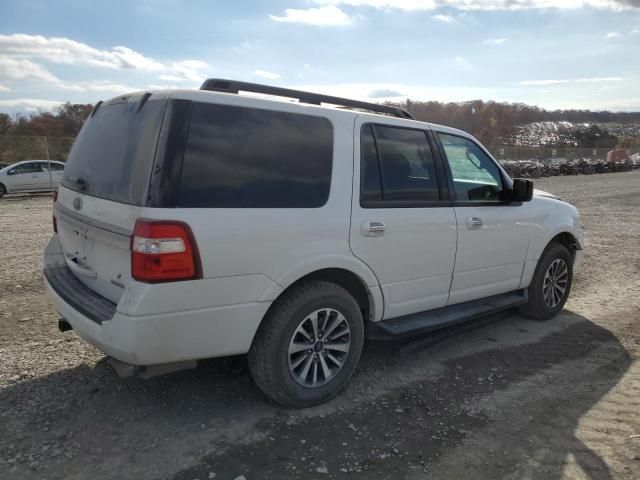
(233, 86)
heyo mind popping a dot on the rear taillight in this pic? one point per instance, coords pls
(163, 251)
(55, 222)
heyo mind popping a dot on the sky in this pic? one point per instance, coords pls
(552, 53)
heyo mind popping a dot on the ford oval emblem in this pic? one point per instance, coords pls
(77, 203)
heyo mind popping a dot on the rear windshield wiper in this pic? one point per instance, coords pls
(79, 181)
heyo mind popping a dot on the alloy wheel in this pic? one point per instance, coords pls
(555, 283)
(319, 347)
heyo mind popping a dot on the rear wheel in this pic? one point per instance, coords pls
(308, 347)
(3, 190)
(551, 283)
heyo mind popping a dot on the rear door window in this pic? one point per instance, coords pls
(398, 167)
(252, 158)
(113, 153)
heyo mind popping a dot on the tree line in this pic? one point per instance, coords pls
(65, 121)
(493, 123)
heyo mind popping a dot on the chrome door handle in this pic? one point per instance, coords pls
(373, 228)
(474, 223)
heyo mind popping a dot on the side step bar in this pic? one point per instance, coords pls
(444, 317)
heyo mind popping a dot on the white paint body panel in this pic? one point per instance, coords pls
(490, 260)
(250, 256)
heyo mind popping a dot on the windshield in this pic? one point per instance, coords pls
(113, 154)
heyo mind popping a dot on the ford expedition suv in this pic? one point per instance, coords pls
(192, 224)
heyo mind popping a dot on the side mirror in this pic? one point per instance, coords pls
(11, 172)
(522, 190)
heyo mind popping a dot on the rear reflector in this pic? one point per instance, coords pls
(163, 251)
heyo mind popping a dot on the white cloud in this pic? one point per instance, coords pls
(28, 104)
(529, 83)
(186, 71)
(635, 31)
(266, 74)
(4, 89)
(329, 15)
(443, 18)
(159, 87)
(599, 79)
(64, 50)
(22, 48)
(13, 69)
(612, 35)
(494, 41)
(109, 87)
(467, 5)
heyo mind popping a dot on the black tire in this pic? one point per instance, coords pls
(269, 359)
(537, 307)
(3, 190)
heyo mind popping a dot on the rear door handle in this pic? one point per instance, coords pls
(373, 228)
(474, 223)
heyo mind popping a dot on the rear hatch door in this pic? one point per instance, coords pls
(104, 189)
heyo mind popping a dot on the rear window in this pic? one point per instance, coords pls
(114, 151)
(250, 158)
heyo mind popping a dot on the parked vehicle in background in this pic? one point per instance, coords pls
(31, 176)
(203, 223)
(617, 155)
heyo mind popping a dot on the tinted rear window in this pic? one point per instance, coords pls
(250, 158)
(114, 151)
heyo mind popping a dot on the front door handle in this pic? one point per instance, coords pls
(474, 223)
(374, 228)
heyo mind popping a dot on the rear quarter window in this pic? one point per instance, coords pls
(240, 157)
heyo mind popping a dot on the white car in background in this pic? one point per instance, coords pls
(31, 176)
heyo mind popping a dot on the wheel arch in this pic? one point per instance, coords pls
(354, 277)
(563, 236)
(567, 239)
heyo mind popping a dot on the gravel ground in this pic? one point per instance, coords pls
(501, 398)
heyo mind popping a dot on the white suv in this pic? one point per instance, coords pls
(196, 224)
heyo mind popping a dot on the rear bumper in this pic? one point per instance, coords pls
(163, 338)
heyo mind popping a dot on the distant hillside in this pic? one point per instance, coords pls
(517, 124)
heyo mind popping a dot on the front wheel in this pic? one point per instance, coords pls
(3, 190)
(308, 347)
(551, 283)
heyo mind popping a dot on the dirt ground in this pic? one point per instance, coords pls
(505, 397)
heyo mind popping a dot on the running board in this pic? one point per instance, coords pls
(444, 317)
